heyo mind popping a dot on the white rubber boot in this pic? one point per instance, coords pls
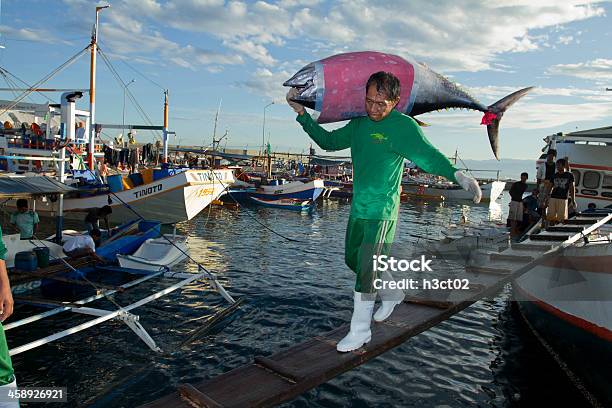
(360, 333)
(390, 298)
(4, 391)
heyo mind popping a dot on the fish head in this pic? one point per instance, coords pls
(305, 81)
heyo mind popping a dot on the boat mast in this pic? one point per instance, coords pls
(93, 49)
(165, 131)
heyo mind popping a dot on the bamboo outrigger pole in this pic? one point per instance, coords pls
(93, 48)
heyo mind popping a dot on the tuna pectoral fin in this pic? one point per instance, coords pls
(494, 114)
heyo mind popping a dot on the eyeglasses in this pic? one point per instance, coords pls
(379, 104)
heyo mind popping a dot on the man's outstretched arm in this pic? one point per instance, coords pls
(413, 146)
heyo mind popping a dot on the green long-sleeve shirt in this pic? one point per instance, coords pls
(378, 150)
(3, 249)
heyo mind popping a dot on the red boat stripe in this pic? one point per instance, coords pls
(589, 166)
(598, 331)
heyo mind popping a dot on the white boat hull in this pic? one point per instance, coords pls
(156, 254)
(568, 303)
(169, 200)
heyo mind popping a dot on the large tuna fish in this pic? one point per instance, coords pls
(335, 86)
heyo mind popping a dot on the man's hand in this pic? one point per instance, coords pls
(469, 184)
(293, 92)
(6, 301)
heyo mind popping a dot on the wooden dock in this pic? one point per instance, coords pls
(271, 380)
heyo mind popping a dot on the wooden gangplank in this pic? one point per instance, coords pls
(271, 380)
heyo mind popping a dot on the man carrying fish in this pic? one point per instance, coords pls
(379, 143)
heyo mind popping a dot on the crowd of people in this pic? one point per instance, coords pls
(552, 201)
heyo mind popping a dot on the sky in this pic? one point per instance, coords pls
(236, 55)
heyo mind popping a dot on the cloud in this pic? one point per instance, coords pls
(30, 34)
(127, 34)
(450, 35)
(598, 70)
(267, 84)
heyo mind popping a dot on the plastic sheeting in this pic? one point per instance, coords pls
(31, 186)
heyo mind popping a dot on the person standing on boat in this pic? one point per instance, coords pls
(104, 171)
(563, 190)
(546, 173)
(516, 204)
(379, 143)
(25, 220)
(7, 374)
(92, 219)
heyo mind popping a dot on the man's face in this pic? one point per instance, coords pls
(560, 167)
(523, 178)
(22, 209)
(377, 104)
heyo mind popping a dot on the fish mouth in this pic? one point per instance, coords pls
(304, 80)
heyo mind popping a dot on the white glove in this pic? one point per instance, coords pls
(293, 92)
(469, 184)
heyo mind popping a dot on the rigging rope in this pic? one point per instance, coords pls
(133, 99)
(56, 71)
(4, 73)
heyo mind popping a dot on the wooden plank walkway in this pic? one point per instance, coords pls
(271, 380)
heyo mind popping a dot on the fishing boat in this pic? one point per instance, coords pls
(174, 195)
(285, 203)
(171, 194)
(566, 300)
(157, 253)
(280, 189)
(418, 186)
(590, 158)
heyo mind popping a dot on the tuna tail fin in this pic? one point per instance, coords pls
(494, 114)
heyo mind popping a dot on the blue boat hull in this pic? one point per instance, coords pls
(122, 245)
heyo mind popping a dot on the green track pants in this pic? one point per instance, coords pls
(6, 367)
(364, 240)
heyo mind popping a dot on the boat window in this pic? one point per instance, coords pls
(606, 194)
(607, 182)
(589, 192)
(576, 174)
(591, 179)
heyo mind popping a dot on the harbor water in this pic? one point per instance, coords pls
(293, 290)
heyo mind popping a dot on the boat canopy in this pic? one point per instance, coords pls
(320, 161)
(23, 187)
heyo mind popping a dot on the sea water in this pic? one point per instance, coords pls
(292, 290)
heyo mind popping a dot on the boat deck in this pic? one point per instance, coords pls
(271, 380)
